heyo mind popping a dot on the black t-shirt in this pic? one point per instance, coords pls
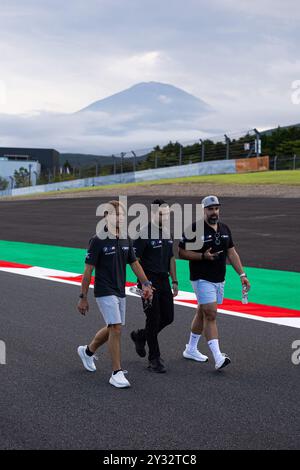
(213, 271)
(154, 253)
(110, 256)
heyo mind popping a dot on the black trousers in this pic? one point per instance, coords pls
(159, 315)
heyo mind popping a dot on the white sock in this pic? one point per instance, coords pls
(215, 349)
(193, 342)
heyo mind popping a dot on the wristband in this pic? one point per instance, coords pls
(243, 275)
(147, 283)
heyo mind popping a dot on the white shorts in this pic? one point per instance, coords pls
(113, 309)
(208, 292)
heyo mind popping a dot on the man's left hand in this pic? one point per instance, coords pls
(175, 289)
(147, 292)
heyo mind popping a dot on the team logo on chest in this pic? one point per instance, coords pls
(156, 243)
(109, 250)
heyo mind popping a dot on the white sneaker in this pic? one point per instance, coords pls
(223, 361)
(195, 355)
(119, 380)
(87, 361)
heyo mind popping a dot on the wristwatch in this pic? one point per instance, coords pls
(243, 275)
(175, 282)
(82, 296)
(147, 283)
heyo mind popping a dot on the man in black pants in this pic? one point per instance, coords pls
(154, 249)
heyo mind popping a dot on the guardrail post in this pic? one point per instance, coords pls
(134, 160)
(122, 160)
(227, 140)
(257, 142)
(180, 154)
(202, 150)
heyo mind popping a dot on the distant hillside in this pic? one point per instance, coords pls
(86, 160)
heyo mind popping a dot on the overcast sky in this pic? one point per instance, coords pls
(239, 56)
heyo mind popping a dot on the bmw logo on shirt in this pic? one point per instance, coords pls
(156, 243)
(109, 250)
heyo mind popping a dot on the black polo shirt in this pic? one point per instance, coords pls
(110, 256)
(154, 253)
(213, 271)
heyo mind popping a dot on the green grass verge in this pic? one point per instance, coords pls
(288, 177)
(269, 287)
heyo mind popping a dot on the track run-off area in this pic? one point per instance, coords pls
(50, 402)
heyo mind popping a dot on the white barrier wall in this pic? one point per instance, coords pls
(193, 169)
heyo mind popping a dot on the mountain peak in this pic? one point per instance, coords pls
(167, 100)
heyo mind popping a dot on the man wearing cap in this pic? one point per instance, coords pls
(207, 274)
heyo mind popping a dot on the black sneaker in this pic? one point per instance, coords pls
(157, 366)
(139, 344)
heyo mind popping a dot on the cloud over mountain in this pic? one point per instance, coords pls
(143, 115)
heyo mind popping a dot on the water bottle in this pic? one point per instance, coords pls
(135, 290)
(244, 295)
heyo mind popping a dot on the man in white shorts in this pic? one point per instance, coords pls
(207, 274)
(109, 254)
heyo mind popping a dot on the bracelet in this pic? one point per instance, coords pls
(147, 283)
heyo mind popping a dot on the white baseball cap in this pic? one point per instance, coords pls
(210, 201)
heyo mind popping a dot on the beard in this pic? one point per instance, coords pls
(213, 220)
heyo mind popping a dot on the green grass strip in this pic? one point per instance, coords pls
(281, 177)
(269, 287)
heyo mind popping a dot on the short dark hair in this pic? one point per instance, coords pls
(157, 203)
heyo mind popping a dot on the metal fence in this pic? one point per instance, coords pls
(232, 145)
(228, 146)
(285, 163)
(194, 169)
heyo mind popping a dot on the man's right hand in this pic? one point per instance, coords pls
(83, 306)
(209, 256)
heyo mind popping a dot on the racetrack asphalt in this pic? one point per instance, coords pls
(265, 230)
(48, 401)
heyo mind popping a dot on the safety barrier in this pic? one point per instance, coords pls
(193, 169)
(244, 165)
